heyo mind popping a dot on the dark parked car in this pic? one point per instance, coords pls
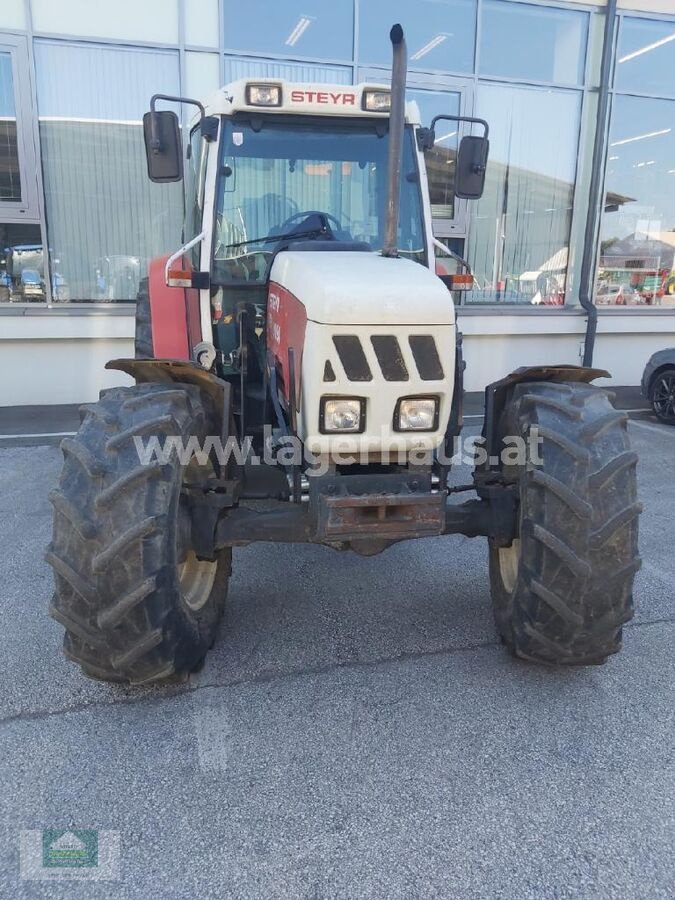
(658, 384)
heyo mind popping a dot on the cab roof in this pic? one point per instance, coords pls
(304, 99)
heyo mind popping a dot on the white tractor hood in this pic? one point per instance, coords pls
(358, 288)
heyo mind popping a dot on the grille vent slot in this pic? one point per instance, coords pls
(389, 356)
(425, 354)
(352, 357)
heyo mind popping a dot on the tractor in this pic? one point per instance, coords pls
(298, 378)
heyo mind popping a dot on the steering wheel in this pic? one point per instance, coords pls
(304, 214)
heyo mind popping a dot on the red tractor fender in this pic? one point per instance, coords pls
(174, 314)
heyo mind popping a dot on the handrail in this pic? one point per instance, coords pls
(184, 249)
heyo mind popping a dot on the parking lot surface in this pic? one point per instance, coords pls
(357, 731)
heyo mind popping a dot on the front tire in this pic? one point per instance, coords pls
(135, 601)
(563, 590)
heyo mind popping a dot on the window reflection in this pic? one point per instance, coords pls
(543, 44)
(637, 242)
(10, 182)
(22, 265)
(519, 233)
(440, 160)
(646, 57)
(439, 33)
(105, 218)
(312, 28)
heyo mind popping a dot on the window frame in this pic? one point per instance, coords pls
(27, 209)
(199, 185)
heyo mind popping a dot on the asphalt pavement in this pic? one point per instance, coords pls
(357, 731)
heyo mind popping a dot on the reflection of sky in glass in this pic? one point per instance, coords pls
(521, 41)
(646, 57)
(313, 28)
(641, 166)
(10, 182)
(439, 33)
(6, 86)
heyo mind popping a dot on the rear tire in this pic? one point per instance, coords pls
(662, 396)
(136, 603)
(563, 590)
(143, 348)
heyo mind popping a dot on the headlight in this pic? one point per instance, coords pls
(346, 415)
(377, 101)
(263, 95)
(416, 414)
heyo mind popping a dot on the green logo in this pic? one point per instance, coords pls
(66, 848)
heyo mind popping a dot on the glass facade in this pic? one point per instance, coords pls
(312, 28)
(105, 218)
(440, 34)
(636, 261)
(523, 41)
(520, 228)
(79, 219)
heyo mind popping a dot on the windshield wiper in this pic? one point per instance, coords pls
(279, 237)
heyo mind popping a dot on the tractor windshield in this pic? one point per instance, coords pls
(275, 172)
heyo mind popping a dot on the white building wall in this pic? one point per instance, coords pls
(61, 358)
(495, 345)
(58, 355)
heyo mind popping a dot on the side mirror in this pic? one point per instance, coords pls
(471, 167)
(163, 146)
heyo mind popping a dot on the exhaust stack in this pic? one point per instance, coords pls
(396, 125)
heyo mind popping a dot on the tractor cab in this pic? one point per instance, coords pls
(301, 171)
(302, 237)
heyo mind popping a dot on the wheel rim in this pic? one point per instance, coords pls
(509, 563)
(196, 578)
(663, 397)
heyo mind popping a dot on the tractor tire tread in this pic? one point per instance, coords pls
(92, 466)
(143, 348)
(573, 592)
(115, 558)
(160, 424)
(579, 506)
(114, 613)
(84, 526)
(110, 495)
(614, 467)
